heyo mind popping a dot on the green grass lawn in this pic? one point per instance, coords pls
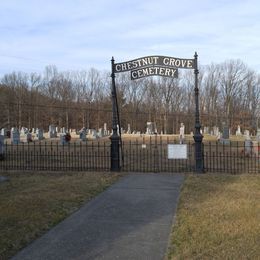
(30, 204)
(218, 217)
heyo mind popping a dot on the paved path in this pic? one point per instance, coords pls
(130, 220)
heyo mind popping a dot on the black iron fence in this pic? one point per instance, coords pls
(235, 157)
(54, 156)
(153, 156)
(142, 155)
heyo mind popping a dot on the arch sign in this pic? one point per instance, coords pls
(154, 66)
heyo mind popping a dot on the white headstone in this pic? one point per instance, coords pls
(238, 131)
(100, 133)
(105, 129)
(182, 133)
(247, 135)
(94, 133)
(206, 130)
(24, 131)
(216, 131)
(3, 131)
(151, 128)
(128, 129)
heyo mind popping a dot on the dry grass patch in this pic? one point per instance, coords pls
(30, 204)
(218, 217)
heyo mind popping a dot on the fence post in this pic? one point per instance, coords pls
(115, 162)
(199, 167)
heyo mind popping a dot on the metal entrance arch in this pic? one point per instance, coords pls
(150, 66)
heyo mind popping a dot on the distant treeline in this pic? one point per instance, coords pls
(229, 92)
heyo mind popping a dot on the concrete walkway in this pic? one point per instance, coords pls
(130, 220)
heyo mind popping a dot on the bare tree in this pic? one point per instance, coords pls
(232, 78)
(18, 85)
(210, 93)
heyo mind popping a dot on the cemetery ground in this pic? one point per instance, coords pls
(217, 215)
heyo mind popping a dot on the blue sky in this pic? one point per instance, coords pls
(76, 35)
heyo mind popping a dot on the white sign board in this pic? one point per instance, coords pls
(177, 151)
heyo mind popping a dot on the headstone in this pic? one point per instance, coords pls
(105, 129)
(155, 129)
(29, 137)
(206, 130)
(182, 133)
(225, 135)
(100, 133)
(151, 128)
(82, 134)
(24, 131)
(3, 131)
(52, 131)
(94, 134)
(2, 147)
(215, 131)
(62, 139)
(238, 131)
(65, 138)
(247, 135)
(128, 129)
(15, 136)
(39, 134)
